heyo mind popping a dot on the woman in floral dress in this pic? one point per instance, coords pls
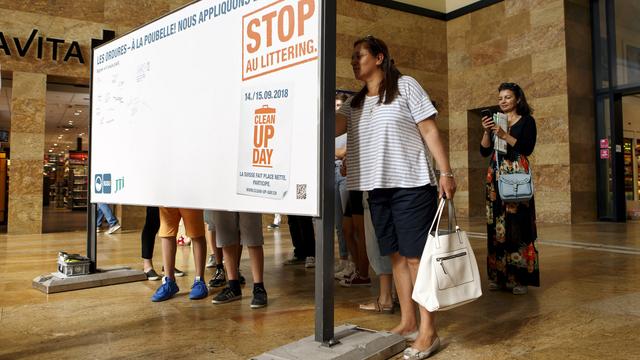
(512, 259)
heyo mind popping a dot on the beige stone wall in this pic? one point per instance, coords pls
(27, 146)
(581, 111)
(520, 41)
(416, 43)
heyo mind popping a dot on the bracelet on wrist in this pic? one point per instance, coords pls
(447, 174)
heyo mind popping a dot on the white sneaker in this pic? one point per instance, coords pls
(310, 262)
(520, 290)
(211, 261)
(113, 229)
(347, 273)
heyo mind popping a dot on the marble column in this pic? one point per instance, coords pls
(28, 108)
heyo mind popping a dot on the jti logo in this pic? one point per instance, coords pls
(119, 184)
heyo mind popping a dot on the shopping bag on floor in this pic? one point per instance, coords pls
(448, 274)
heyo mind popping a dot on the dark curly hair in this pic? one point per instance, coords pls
(522, 107)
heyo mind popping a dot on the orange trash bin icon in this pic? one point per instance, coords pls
(264, 121)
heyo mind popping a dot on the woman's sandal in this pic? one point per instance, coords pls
(377, 307)
(411, 353)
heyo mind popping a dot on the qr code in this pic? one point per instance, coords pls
(301, 191)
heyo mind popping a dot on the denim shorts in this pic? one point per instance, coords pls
(401, 218)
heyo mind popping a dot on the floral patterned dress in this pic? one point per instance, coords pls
(512, 257)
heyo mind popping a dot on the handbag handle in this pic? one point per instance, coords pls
(438, 217)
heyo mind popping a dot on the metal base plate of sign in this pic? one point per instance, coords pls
(353, 343)
(57, 282)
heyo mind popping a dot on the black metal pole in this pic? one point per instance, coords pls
(324, 245)
(92, 241)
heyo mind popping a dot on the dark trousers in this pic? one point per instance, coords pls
(302, 236)
(149, 231)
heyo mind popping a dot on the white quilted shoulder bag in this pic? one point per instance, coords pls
(448, 274)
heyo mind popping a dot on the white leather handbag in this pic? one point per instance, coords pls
(448, 274)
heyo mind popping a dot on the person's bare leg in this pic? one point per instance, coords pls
(147, 264)
(404, 286)
(363, 261)
(217, 250)
(427, 331)
(256, 253)
(169, 256)
(211, 244)
(199, 254)
(352, 245)
(211, 240)
(231, 263)
(386, 281)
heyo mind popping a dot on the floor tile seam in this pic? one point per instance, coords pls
(577, 245)
(594, 245)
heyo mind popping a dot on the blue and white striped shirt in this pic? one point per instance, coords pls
(384, 145)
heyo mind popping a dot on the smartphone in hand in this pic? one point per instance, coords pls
(485, 113)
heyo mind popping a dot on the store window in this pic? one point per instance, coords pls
(601, 62)
(631, 149)
(627, 30)
(65, 159)
(616, 61)
(5, 127)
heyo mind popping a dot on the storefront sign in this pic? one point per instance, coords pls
(604, 143)
(604, 154)
(38, 45)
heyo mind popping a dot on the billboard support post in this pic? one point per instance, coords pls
(324, 247)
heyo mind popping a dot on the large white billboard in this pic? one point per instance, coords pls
(214, 106)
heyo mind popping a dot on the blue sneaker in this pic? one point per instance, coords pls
(166, 290)
(199, 289)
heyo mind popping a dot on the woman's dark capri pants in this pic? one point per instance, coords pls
(401, 218)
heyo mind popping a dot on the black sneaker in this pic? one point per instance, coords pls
(177, 272)
(225, 296)
(219, 279)
(152, 275)
(259, 298)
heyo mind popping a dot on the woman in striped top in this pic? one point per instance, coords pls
(388, 124)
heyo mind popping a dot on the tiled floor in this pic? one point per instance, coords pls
(588, 306)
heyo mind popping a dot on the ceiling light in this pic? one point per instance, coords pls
(66, 129)
(81, 134)
(79, 110)
(55, 144)
(50, 150)
(76, 114)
